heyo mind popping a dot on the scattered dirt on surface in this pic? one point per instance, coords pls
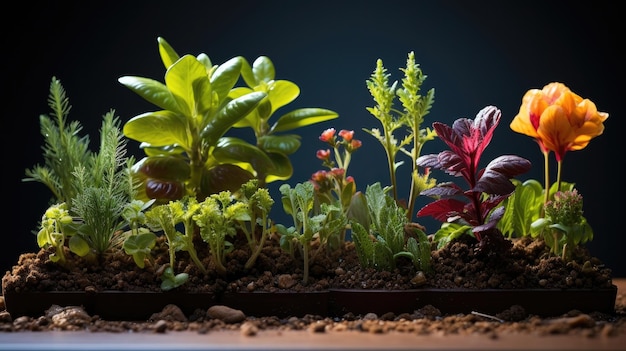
(462, 264)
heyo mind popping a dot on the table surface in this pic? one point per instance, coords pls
(303, 340)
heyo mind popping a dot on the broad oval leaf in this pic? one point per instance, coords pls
(168, 54)
(252, 119)
(281, 93)
(159, 128)
(225, 77)
(284, 144)
(184, 79)
(303, 117)
(282, 169)
(230, 114)
(238, 151)
(151, 90)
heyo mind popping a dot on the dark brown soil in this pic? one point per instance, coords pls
(462, 264)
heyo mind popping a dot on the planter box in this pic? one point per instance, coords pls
(138, 306)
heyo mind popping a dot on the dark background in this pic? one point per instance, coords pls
(475, 53)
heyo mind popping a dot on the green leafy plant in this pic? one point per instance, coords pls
(525, 206)
(334, 187)
(476, 210)
(56, 227)
(217, 219)
(269, 132)
(183, 139)
(104, 188)
(64, 149)
(91, 188)
(258, 204)
(166, 218)
(186, 143)
(380, 240)
(563, 226)
(139, 240)
(414, 108)
(299, 202)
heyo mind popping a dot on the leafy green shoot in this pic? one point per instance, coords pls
(217, 219)
(410, 118)
(104, 189)
(56, 227)
(63, 151)
(382, 240)
(259, 204)
(299, 203)
(166, 217)
(169, 280)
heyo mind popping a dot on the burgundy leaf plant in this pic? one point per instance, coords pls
(477, 206)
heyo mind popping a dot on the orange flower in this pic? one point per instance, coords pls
(558, 119)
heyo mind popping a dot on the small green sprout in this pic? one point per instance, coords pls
(298, 202)
(259, 204)
(563, 226)
(381, 240)
(166, 217)
(56, 224)
(217, 218)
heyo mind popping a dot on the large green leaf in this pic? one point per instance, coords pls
(159, 128)
(226, 76)
(168, 54)
(303, 117)
(238, 151)
(282, 92)
(252, 119)
(230, 114)
(284, 144)
(282, 168)
(188, 82)
(151, 90)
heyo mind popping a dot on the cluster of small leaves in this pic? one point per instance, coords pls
(564, 225)
(410, 118)
(380, 239)
(166, 217)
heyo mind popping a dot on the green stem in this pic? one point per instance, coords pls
(547, 181)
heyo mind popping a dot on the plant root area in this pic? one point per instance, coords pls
(524, 264)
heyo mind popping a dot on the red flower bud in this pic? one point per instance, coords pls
(346, 134)
(328, 135)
